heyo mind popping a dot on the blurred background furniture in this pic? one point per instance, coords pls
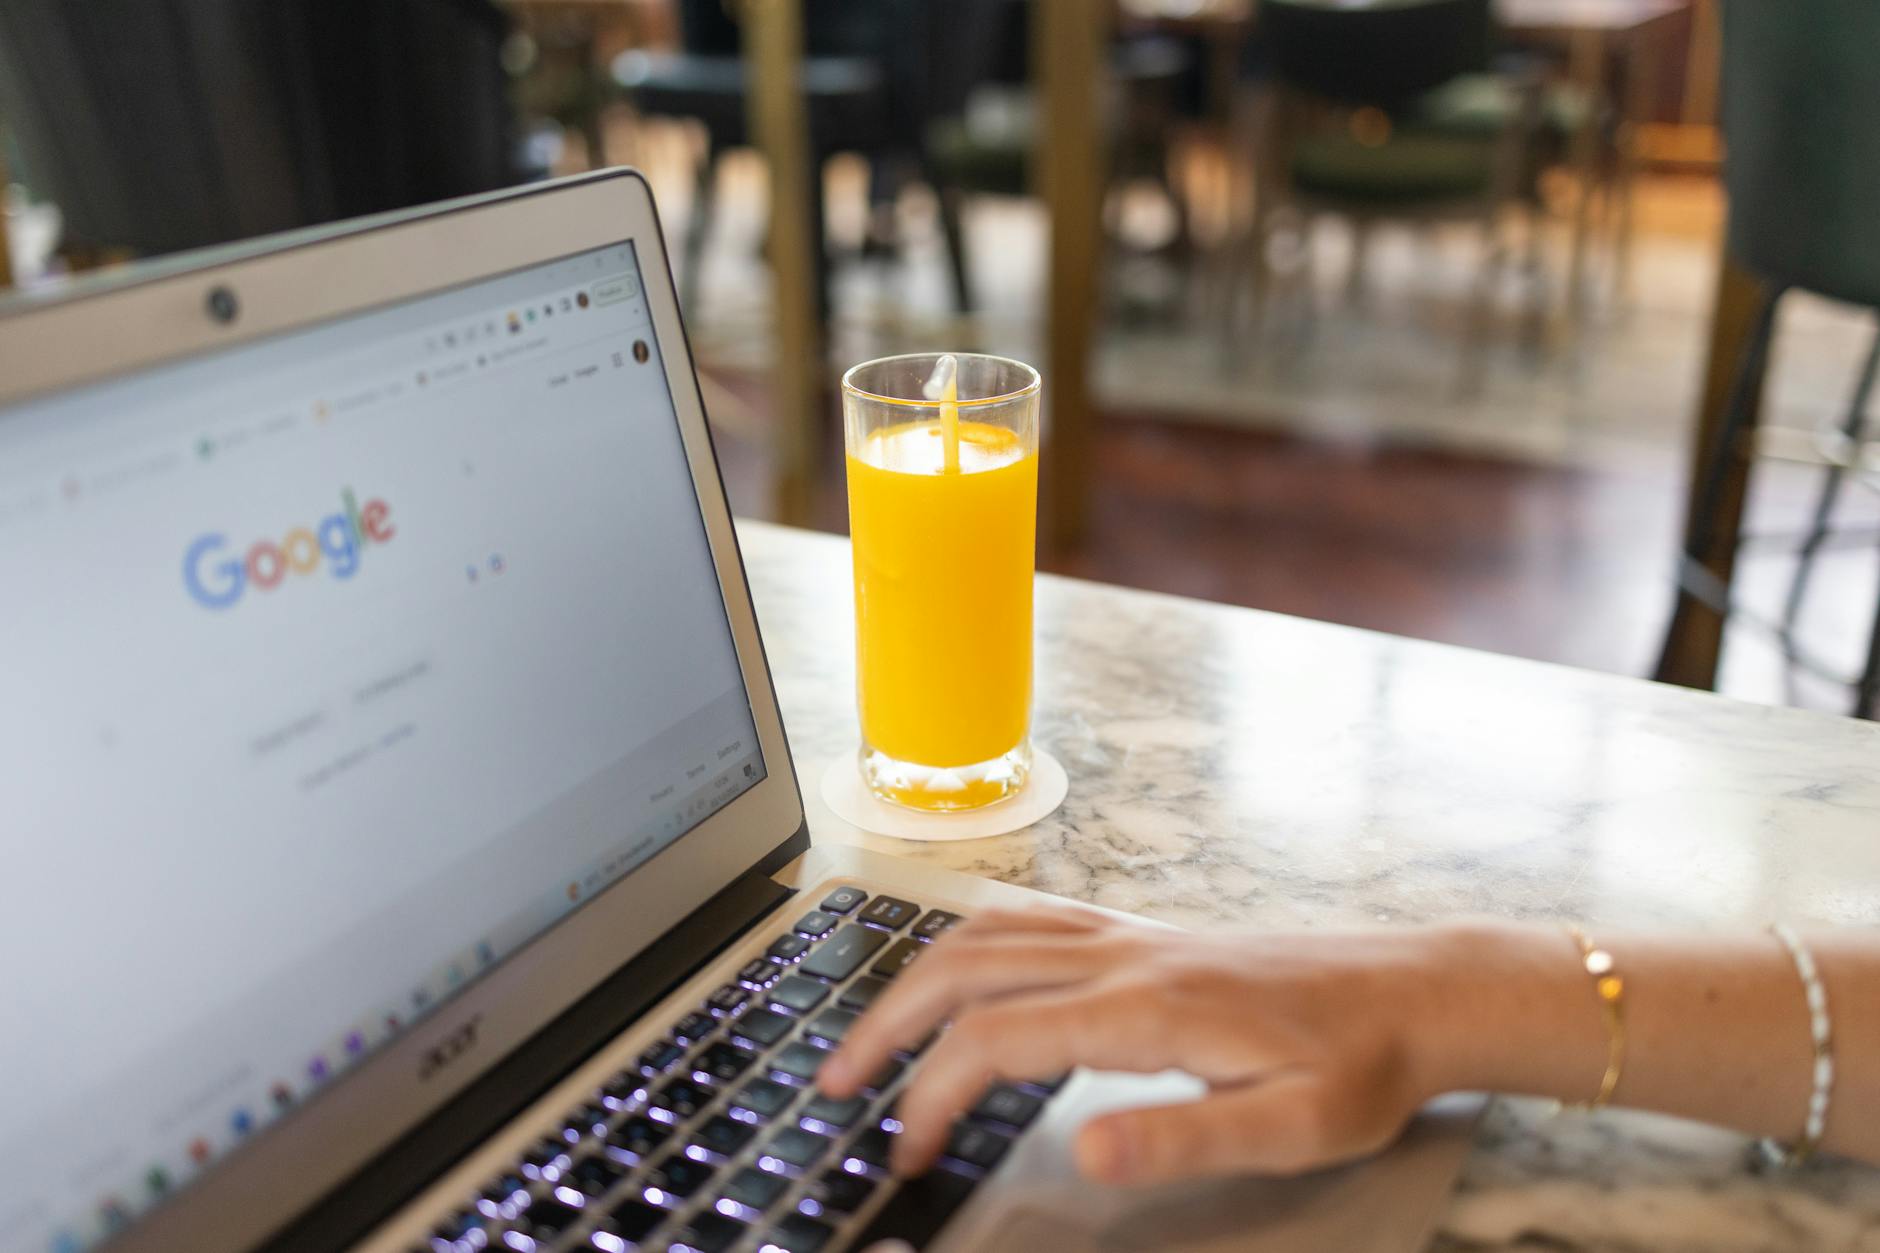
(1801, 115)
(843, 78)
(1068, 43)
(1386, 111)
(986, 146)
(159, 125)
(559, 56)
(1066, 170)
(1599, 37)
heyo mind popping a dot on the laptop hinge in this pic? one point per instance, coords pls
(350, 1211)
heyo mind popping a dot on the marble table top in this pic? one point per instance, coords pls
(1232, 766)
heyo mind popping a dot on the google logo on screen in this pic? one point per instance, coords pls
(216, 576)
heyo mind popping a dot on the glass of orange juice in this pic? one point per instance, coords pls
(943, 510)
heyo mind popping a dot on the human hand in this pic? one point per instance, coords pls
(1304, 1040)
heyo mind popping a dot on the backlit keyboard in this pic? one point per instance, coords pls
(715, 1139)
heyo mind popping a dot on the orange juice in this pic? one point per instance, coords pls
(943, 578)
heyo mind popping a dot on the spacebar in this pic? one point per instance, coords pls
(843, 953)
(918, 1209)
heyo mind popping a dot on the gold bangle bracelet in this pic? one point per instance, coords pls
(1609, 986)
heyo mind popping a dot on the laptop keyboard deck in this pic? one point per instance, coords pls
(716, 1139)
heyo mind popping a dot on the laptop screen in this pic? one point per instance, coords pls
(333, 669)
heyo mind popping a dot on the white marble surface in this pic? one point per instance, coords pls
(1233, 766)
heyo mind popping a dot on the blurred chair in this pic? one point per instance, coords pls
(845, 84)
(158, 125)
(1387, 110)
(984, 145)
(1801, 121)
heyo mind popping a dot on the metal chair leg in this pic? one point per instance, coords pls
(1867, 695)
(1709, 493)
(1852, 426)
(704, 197)
(1748, 370)
(952, 229)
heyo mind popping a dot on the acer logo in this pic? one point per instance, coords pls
(460, 1041)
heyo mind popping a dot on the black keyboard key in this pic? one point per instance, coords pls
(594, 1174)
(799, 994)
(763, 1027)
(830, 1025)
(799, 1061)
(758, 1189)
(758, 973)
(787, 948)
(659, 1059)
(546, 1160)
(764, 1098)
(843, 1193)
(799, 1233)
(682, 1097)
(635, 1220)
(459, 1225)
(918, 1209)
(885, 1077)
(977, 1145)
(936, 923)
(843, 953)
(639, 1136)
(588, 1120)
(836, 1115)
(709, 1232)
(547, 1218)
(899, 957)
(679, 1176)
(694, 1027)
(890, 912)
(871, 1148)
(723, 1061)
(842, 900)
(862, 993)
(797, 1147)
(815, 924)
(724, 1136)
(624, 1088)
(727, 999)
(507, 1194)
(1048, 1086)
(1011, 1106)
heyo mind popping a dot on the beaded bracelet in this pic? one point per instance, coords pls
(1821, 1032)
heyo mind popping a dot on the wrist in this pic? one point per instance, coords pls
(1504, 1007)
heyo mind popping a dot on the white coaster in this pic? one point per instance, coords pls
(845, 793)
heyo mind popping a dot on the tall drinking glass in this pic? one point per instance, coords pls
(943, 509)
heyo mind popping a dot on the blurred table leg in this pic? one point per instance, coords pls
(1647, 48)
(6, 243)
(1694, 640)
(1069, 43)
(779, 123)
(1587, 70)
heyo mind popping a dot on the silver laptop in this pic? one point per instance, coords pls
(401, 847)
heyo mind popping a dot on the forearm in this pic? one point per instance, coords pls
(1716, 1027)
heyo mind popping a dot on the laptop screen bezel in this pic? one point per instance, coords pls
(294, 282)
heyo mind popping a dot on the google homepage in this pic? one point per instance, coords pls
(336, 668)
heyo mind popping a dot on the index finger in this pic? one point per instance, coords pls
(959, 970)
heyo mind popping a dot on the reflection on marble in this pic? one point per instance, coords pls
(1229, 766)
